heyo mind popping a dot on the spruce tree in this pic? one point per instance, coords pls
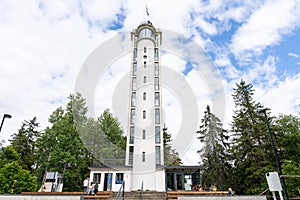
(24, 143)
(214, 151)
(251, 148)
(171, 156)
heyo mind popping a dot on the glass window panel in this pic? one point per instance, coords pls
(132, 116)
(134, 69)
(157, 134)
(133, 98)
(157, 155)
(156, 83)
(131, 137)
(157, 116)
(156, 69)
(156, 99)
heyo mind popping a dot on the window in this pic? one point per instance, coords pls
(156, 99)
(146, 32)
(145, 49)
(157, 134)
(131, 136)
(156, 84)
(144, 134)
(132, 116)
(130, 155)
(144, 114)
(156, 69)
(145, 79)
(157, 155)
(134, 69)
(97, 177)
(119, 178)
(143, 156)
(157, 116)
(156, 54)
(144, 96)
(145, 64)
(135, 54)
(133, 97)
(133, 83)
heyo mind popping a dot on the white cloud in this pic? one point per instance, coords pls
(294, 55)
(282, 98)
(266, 27)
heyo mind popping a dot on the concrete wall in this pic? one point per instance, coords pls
(224, 198)
(39, 197)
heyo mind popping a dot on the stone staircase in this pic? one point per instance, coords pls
(146, 195)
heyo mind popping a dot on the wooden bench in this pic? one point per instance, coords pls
(97, 197)
(100, 194)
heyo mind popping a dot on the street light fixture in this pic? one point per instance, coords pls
(264, 111)
(4, 116)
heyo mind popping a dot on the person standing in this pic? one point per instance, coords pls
(96, 188)
(85, 184)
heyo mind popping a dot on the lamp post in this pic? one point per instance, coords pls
(275, 153)
(4, 116)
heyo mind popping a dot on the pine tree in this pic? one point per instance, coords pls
(251, 148)
(214, 150)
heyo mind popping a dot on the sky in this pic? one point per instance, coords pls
(43, 45)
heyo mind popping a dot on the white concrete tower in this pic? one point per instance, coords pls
(144, 151)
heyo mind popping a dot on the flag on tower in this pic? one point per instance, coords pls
(147, 10)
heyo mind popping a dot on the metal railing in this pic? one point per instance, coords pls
(142, 190)
(120, 194)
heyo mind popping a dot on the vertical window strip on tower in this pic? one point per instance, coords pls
(135, 54)
(156, 99)
(130, 155)
(157, 134)
(156, 83)
(145, 79)
(157, 116)
(133, 83)
(144, 114)
(157, 155)
(134, 69)
(133, 98)
(131, 137)
(156, 54)
(156, 69)
(132, 116)
(145, 64)
(145, 49)
(144, 96)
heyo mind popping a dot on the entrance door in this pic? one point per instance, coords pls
(179, 181)
(107, 182)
